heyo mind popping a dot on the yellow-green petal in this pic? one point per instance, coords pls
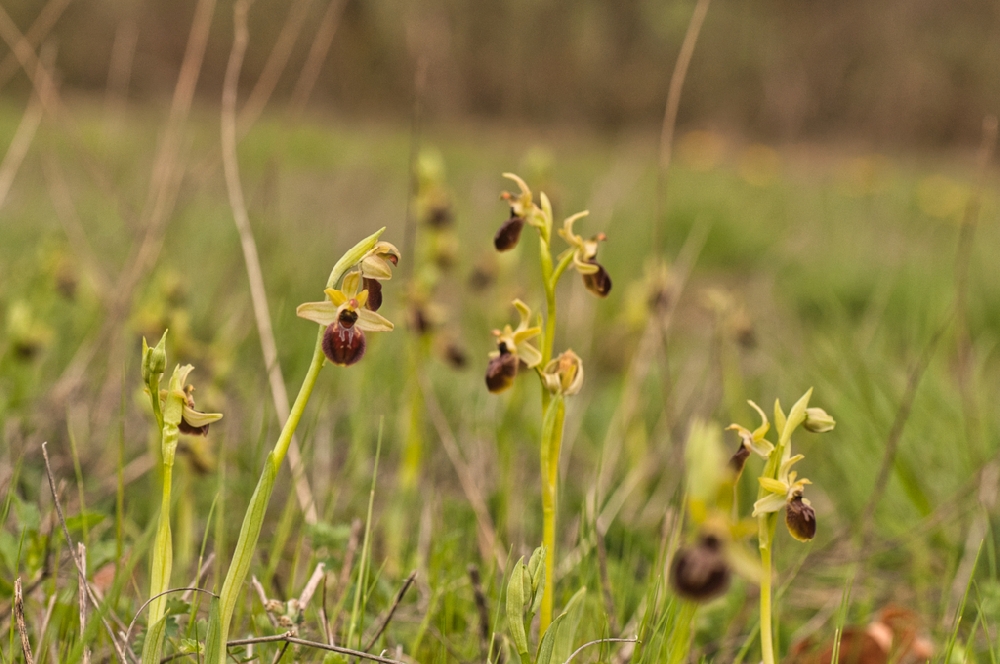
(369, 321)
(770, 503)
(774, 486)
(323, 313)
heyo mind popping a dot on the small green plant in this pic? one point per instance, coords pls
(560, 376)
(780, 488)
(348, 312)
(523, 603)
(175, 414)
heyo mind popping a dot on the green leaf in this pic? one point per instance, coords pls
(85, 520)
(215, 650)
(566, 636)
(547, 646)
(152, 647)
(515, 608)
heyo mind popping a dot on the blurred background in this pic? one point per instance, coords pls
(914, 72)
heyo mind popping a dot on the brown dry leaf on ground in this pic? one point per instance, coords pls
(894, 636)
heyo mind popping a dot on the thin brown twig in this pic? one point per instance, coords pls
(19, 145)
(410, 225)
(317, 55)
(262, 596)
(41, 27)
(392, 609)
(62, 201)
(251, 259)
(119, 651)
(128, 632)
(596, 642)
(19, 619)
(486, 532)
(670, 112)
(482, 608)
(275, 65)
(81, 551)
(289, 638)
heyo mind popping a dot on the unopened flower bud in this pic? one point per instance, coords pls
(564, 374)
(818, 421)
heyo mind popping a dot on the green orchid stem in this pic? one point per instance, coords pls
(218, 627)
(162, 550)
(766, 632)
(552, 436)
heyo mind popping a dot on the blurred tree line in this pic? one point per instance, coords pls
(913, 71)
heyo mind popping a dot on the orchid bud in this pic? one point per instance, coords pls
(818, 421)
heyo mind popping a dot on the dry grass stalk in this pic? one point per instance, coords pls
(317, 55)
(39, 29)
(275, 65)
(258, 294)
(22, 630)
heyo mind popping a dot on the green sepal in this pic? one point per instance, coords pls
(352, 257)
(796, 416)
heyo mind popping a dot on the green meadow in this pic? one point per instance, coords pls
(765, 271)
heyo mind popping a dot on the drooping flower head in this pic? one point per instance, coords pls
(522, 210)
(513, 349)
(750, 441)
(347, 317)
(376, 267)
(595, 277)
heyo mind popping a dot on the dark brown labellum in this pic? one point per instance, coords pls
(800, 519)
(374, 288)
(419, 322)
(508, 235)
(440, 216)
(700, 572)
(501, 370)
(455, 355)
(186, 428)
(739, 460)
(598, 283)
(344, 345)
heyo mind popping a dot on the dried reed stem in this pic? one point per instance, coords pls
(275, 65)
(258, 294)
(41, 27)
(670, 112)
(317, 55)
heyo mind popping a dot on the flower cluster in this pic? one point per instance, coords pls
(783, 489)
(582, 251)
(350, 311)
